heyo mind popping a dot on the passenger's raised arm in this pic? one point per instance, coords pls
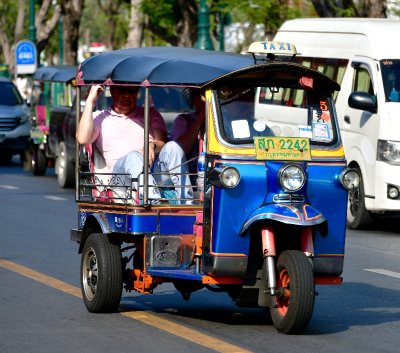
(85, 133)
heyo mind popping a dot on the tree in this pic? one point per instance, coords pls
(71, 16)
(347, 8)
(136, 21)
(14, 27)
(170, 21)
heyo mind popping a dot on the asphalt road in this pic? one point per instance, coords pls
(41, 309)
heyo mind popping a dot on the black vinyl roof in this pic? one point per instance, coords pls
(176, 66)
(159, 66)
(56, 73)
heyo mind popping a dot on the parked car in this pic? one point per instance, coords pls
(14, 121)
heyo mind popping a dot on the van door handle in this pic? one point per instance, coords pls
(347, 119)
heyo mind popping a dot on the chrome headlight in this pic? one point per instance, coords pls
(224, 176)
(350, 178)
(291, 177)
(389, 151)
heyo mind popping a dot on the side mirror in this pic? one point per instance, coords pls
(363, 101)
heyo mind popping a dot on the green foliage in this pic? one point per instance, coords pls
(162, 18)
(94, 24)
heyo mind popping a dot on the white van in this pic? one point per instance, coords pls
(363, 56)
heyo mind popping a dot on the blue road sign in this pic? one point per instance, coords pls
(25, 57)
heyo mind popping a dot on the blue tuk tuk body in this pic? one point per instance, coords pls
(246, 232)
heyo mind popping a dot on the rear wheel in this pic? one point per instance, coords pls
(39, 161)
(295, 303)
(101, 274)
(358, 217)
(64, 168)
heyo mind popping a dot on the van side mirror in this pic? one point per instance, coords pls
(363, 101)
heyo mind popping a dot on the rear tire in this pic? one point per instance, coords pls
(64, 168)
(39, 161)
(291, 314)
(358, 217)
(101, 274)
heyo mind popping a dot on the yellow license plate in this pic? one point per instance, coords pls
(283, 148)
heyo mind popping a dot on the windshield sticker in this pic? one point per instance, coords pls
(240, 129)
(305, 131)
(259, 126)
(321, 132)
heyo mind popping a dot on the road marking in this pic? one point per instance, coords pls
(145, 317)
(384, 272)
(56, 198)
(10, 187)
(184, 332)
(40, 277)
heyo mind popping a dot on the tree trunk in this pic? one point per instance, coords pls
(187, 32)
(71, 11)
(334, 8)
(44, 26)
(375, 8)
(135, 28)
(19, 25)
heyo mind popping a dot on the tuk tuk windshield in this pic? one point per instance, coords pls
(250, 111)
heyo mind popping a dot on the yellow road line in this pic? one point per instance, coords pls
(147, 318)
(40, 277)
(184, 332)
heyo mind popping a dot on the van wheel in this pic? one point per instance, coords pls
(64, 168)
(39, 161)
(358, 217)
(101, 274)
(295, 303)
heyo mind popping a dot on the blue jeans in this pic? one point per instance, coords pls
(169, 169)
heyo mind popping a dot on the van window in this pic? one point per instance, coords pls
(362, 80)
(391, 79)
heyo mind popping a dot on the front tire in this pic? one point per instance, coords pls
(358, 217)
(101, 274)
(64, 168)
(293, 310)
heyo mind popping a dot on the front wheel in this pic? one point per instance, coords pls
(101, 274)
(64, 168)
(295, 303)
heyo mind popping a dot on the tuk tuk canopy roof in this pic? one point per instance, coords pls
(55, 73)
(177, 66)
(159, 66)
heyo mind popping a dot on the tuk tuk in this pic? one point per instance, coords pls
(53, 129)
(267, 221)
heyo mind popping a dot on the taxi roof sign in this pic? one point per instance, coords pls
(272, 47)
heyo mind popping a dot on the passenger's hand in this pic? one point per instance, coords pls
(152, 153)
(94, 92)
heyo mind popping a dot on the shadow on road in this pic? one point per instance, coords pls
(336, 308)
(353, 304)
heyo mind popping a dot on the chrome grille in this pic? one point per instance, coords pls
(288, 198)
